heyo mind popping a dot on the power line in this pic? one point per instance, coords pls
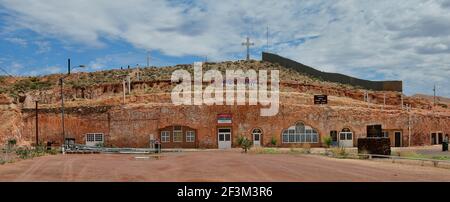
(3, 70)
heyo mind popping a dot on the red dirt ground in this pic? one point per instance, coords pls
(213, 166)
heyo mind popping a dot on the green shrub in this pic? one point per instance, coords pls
(32, 83)
(99, 145)
(26, 153)
(306, 148)
(273, 141)
(53, 151)
(244, 143)
(23, 153)
(240, 139)
(293, 150)
(12, 142)
(262, 150)
(327, 141)
(340, 152)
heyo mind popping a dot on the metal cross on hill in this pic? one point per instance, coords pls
(248, 44)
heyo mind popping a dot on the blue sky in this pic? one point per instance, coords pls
(378, 40)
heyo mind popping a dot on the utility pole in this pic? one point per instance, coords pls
(68, 66)
(129, 83)
(148, 58)
(37, 124)
(409, 125)
(384, 100)
(124, 89)
(401, 101)
(62, 115)
(267, 38)
(434, 95)
(61, 80)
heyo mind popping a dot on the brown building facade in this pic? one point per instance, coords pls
(220, 126)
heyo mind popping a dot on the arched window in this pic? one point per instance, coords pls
(256, 130)
(346, 130)
(300, 133)
(346, 134)
(346, 138)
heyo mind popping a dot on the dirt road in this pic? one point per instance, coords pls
(213, 166)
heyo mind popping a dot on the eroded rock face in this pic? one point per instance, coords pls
(11, 122)
(132, 126)
(96, 107)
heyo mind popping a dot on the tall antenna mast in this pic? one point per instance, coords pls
(434, 95)
(267, 38)
(148, 58)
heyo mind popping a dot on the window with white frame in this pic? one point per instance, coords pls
(346, 134)
(92, 139)
(165, 136)
(177, 134)
(300, 133)
(385, 134)
(190, 136)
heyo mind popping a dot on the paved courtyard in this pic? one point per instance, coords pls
(212, 166)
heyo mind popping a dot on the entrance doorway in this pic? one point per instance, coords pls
(433, 139)
(398, 139)
(257, 133)
(224, 138)
(334, 138)
(346, 138)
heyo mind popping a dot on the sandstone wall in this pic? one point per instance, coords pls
(132, 126)
(10, 122)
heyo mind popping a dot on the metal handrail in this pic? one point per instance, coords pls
(80, 147)
(435, 161)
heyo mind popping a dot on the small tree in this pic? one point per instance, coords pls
(244, 143)
(327, 141)
(273, 141)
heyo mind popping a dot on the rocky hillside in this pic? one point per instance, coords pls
(105, 87)
(151, 86)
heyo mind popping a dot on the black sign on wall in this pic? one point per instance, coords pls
(320, 99)
(374, 131)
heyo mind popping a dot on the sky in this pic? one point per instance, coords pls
(405, 40)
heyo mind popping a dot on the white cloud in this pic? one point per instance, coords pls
(44, 71)
(42, 46)
(17, 41)
(14, 68)
(405, 39)
(51, 70)
(115, 61)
